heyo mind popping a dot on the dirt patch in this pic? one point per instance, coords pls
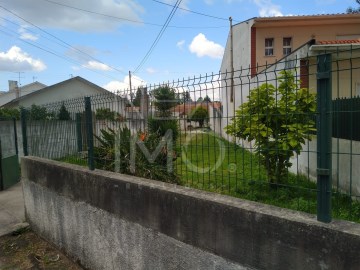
(26, 250)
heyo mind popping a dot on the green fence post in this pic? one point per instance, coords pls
(15, 137)
(324, 137)
(78, 132)
(24, 131)
(89, 133)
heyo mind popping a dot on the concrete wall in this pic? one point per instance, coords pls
(345, 164)
(112, 221)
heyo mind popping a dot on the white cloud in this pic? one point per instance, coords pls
(268, 9)
(46, 14)
(201, 46)
(180, 44)
(150, 70)
(114, 86)
(26, 35)
(97, 66)
(17, 60)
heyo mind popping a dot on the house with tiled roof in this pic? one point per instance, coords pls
(183, 113)
(15, 91)
(259, 48)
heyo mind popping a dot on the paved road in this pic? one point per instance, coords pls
(12, 210)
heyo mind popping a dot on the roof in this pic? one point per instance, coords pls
(77, 78)
(334, 42)
(319, 19)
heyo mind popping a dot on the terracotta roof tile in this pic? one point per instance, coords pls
(346, 41)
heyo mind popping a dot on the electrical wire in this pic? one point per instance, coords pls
(65, 44)
(195, 12)
(54, 53)
(156, 41)
(132, 21)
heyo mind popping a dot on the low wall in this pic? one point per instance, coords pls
(112, 221)
(345, 164)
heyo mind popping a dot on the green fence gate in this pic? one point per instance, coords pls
(9, 154)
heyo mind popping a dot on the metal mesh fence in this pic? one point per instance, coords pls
(247, 135)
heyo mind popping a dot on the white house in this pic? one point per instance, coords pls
(16, 92)
(257, 49)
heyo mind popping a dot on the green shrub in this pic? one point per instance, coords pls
(105, 155)
(279, 120)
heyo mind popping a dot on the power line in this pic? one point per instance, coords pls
(191, 11)
(125, 19)
(56, 54)
(62, 41)
(65, 44)
(171, 15)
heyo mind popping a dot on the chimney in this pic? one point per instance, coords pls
(13, 85)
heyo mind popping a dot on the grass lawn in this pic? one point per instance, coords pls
(214, 164)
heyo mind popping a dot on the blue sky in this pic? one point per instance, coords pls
(101, 40)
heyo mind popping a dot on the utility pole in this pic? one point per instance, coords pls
(130, 80)
(231, 61)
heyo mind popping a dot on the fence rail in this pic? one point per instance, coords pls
(198, 132)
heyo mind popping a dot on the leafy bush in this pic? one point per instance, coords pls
(63, 113)
(278, 120)
(105, 155)
(37, 112)
(9, 113)
(161, 126)
(107, 114)
(199, 115)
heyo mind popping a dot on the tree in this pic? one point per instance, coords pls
(137, 100)
(199, 115)
(199, 100)
(354, 10)
(165, 99)
(63, 113)
(278, 121)
(207, 99)
(186, 97)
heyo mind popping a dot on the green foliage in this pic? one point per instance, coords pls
(165, 99)
(107, 114)
(63, 113)
(278, 121)
(105, 155)
(199, 115)
(9, 113)
(160, 126)
(186, 97)
(137, 99)
(207, 99)
(37, 112)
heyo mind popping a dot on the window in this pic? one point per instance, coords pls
(269, 46)
(286, 45)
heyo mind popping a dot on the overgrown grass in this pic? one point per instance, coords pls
(75, 159)
(214, 164)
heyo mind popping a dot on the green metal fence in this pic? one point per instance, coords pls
(193, 132)
(9, 159)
